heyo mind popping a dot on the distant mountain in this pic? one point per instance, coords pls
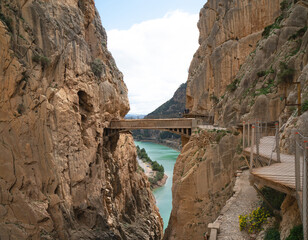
(169, 109)
(134, 116)
(173, 107)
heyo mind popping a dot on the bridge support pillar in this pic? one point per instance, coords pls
(184, 140)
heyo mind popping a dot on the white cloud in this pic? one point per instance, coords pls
(154, 57)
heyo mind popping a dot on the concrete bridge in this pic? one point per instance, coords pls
(181, 126)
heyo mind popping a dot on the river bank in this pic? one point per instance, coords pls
(150, 173)
(167, 157)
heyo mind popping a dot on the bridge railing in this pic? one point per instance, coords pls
(261, 139)
(301, 174)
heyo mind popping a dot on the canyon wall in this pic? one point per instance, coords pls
(203, 181)
(250, 52)
(60, 177)
(229, 31)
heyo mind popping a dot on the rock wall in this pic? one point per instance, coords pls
(59, 88)
(290, 216)
(229, 31)
(203, 181)
(250, 52)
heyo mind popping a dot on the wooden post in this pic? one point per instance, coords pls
(248, 139)
(298, 173)
(299, 102)
(252, 146)
(277, 142)
(244, 135)
(305, 191)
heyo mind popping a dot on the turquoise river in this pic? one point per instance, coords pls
(167, 157)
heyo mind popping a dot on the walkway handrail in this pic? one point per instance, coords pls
(301, 175)
(253, 131)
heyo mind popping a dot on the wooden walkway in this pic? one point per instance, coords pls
(280, 176)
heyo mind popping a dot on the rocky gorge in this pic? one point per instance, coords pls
(60, 178)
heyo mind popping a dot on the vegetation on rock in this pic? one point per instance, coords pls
(97, 67)
(296, 233)
(286, 73)
(233, 86)
(272, 234)
(7, 21)
(43, 60)
(160, 171)
(252, 222)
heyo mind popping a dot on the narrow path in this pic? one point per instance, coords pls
(242, 202)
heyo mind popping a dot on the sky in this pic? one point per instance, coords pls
(152, 42)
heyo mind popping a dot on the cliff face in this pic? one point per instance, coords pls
(60, 178)
(262, 86)
(250, 53)
(202, 182)
(229, 31)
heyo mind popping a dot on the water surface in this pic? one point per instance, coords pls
(167, 157)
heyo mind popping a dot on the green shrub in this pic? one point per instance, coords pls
(97, 67)
(296, 233)
(253, 222)
(276, 25)
(305, 106)
(299, 33)
(272, 234)
(284, 5)
(261, 73)
(286, 73)
(214, 98)
(157, 167)
(43, 60)
(274, 197)
(7, 21)
(233, 86)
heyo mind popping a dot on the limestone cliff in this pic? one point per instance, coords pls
(229, 31)
(203, 181)
(60, 178)
(250, 52)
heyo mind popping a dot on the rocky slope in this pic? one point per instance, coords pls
(60, 178)
(249, 52)
(172, 107)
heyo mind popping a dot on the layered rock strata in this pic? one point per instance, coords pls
(60, 178)
(229, 32)
(250, 52)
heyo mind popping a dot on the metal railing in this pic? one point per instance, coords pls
(301, 173)
(261, 137)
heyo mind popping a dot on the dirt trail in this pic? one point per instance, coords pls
(242, 202)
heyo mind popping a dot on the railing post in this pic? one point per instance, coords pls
(252, 146)
(248, 144)
(305, 191)
(244, 135)
(297, 172)
(277, 142)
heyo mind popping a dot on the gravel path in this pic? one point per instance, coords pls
(242, 202)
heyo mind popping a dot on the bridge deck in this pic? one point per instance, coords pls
(280, 176)
(170, 123)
